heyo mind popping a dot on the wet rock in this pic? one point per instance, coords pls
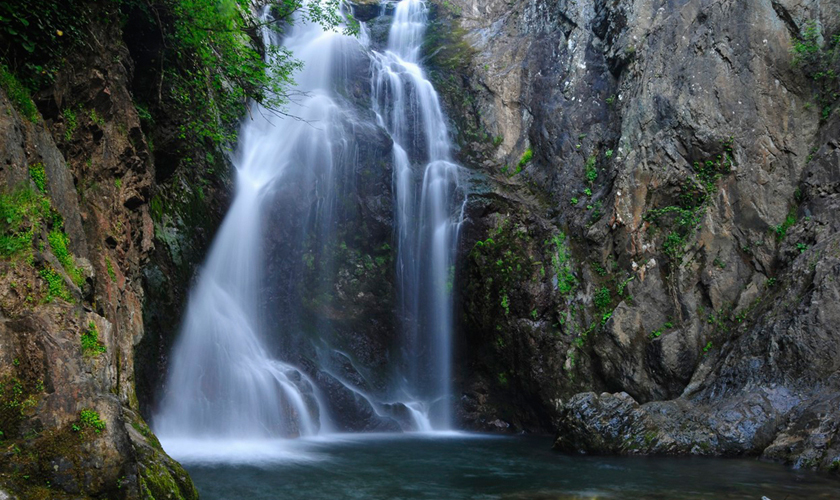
(366, 10)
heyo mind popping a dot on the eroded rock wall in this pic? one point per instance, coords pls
(648, 221)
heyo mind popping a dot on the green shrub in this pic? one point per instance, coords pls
(22, 213)
(215, 68)
(602, 298)
(526, 158)
(38, 176)
(782, 229)
(18, 94)
(91, 344)
(55, 285)
(560, 261)
(70, 123)
(590, 170)
(91, 420)
(821, 63)
(110, 268)
(59, 243)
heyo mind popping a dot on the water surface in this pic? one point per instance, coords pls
(462, 466)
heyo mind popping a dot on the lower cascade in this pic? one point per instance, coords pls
(250, 362)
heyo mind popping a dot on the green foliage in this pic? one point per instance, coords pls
(17, 93)
(38, 176)
(497, 141)
(590, 170)
(59, 243)
(41, 32)
(156, 208)
(143, 112)
(55, 285)
(90, 419)
(574, 201)
(680, 222)
(504, 263)
(22, 214)
(560, 261)
(70, 123)
(820, 62)
(91, 345)
(609, 153)
(610, 100)
(782, 229)
(602, 298)
(214, 69)
(96, 119)
(526, 158)
(710, 171)
(623, 285)
(110, 268)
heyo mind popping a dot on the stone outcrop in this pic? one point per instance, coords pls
(80, 296)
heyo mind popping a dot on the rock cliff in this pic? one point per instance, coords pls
(649, 266)
(101, 232)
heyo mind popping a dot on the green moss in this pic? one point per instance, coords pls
(18, 94)
(147, 433)
(156, 208)
(157, 482)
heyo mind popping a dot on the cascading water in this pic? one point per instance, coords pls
(428, 213)
(236, 369)
(223, 383)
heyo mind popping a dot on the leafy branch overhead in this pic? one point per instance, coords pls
(212, 60)
(215, 62)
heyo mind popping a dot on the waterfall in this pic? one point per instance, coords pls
(223, 382)
(428, 213)
(238, 372)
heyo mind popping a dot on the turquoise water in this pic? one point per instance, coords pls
(460, 466)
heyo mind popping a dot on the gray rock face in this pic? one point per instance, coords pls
(690, 165)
